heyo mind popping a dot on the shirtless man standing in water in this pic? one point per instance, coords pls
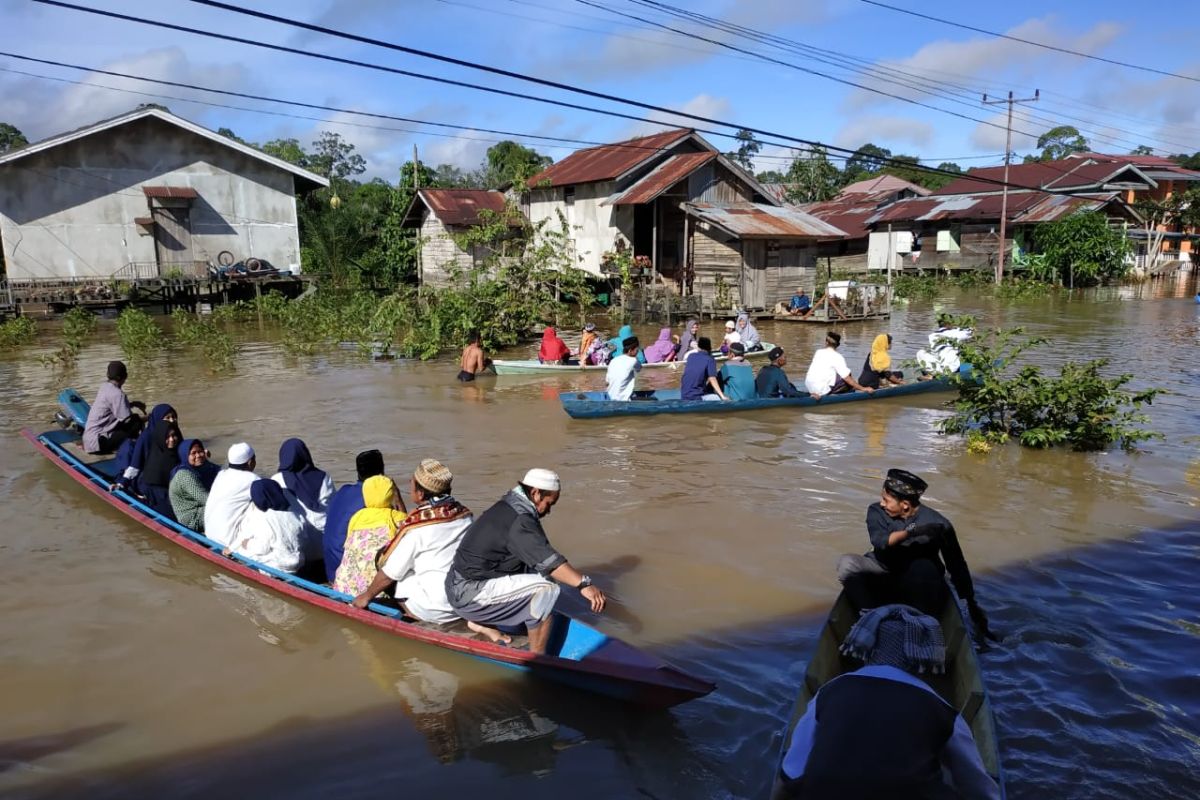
(473, 360)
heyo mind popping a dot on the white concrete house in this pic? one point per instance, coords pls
(142, 195)
(706, 224)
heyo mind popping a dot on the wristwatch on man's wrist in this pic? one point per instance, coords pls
(586, 582)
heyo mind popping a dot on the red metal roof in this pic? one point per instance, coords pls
(183, 192)
(662, 178)
(762, 221)
(1069, 173)
(608, 161)
(462, 206)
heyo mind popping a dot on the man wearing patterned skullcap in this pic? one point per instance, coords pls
(913, 549)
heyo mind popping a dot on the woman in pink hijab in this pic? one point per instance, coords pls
(662, 350)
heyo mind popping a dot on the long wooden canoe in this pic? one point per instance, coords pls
(535, 367)
(961, 685)
(583, 657)
(591, 405)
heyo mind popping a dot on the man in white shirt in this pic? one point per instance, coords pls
(419, 558)
(828, 373)
(229, 498)
(622, 370)
(942, 356)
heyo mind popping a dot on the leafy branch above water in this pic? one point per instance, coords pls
(1080, 408)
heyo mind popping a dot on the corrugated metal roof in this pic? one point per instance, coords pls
(462, 206)
(1022, 207)
(608, 161)
(1076, 173)
(851, 212)
(882, 183)
(179, 192)
(762, 221)
(661, 178)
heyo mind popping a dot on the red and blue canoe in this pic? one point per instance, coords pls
(581, 657)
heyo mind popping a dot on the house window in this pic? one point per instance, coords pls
(569, 195)
(948, 239)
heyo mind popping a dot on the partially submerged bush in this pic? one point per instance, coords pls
(217, 345)
(138, 333)
(17, 331)
(1080, 408)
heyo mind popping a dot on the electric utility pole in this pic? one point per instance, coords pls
(1010, 100)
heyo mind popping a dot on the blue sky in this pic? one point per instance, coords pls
(588, 45)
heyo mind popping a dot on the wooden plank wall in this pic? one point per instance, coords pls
(713, 256)
(788, 266)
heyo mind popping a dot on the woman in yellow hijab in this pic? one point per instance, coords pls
(877, 370)
(371, 529)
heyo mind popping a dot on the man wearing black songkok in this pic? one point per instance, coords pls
(913, 549)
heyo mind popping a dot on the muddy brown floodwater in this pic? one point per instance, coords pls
(132, 669)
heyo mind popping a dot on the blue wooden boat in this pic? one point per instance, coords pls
(591, 405)
(535, 367)
(580, 656)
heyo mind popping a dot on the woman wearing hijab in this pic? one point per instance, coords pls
(190, 481)
(553, 350)
(311, 486)
(369, 531)
(877, 369)
(273, 527)
(586, 342)
(162, 456)
(616, 345)
(748, 333)
(131, 455)
(662, 350)
(691, 329)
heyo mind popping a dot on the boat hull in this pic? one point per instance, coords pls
(594, 405)
(586, 658)
(961, 686)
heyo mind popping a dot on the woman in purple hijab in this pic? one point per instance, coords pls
(311, 486)
(663, 348)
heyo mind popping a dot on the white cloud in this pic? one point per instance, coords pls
(991, 139)
(885, 131)
(970, 60)
(703, 105)
(461, 152)
(639, 48)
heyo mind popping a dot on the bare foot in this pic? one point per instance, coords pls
(494, 636)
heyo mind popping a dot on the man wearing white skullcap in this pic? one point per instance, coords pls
(500, 578)
(229, 498)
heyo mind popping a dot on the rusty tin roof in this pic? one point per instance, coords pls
(461, 206)
(178, 192)
(662, 178)
(762, 221)
(1023, 207)
(608, 161)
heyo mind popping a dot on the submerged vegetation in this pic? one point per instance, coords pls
(1079, 408)
(138, 333)
(18, 331)
(216, 343)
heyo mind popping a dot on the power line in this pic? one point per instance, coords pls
(478, 87)
(541, 139)
(1043, 45)
(955, 93)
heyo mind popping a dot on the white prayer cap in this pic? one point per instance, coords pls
(240, 453)
(544, 479)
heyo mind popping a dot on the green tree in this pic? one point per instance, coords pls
(288, 150)
(11, 138)
(1188, 162)
(510, 163)
(1176, 213)
(1083, 249)
(1142, 150)
(1058, 143)
(334, 157)
(748, 147)
(866, 160)
(229, 134)
(771, 176)
(812, 178)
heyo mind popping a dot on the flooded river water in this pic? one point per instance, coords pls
(133, 669)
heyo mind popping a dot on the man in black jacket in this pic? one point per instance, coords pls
(500, 576)
(913, 549)
(772, 381)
